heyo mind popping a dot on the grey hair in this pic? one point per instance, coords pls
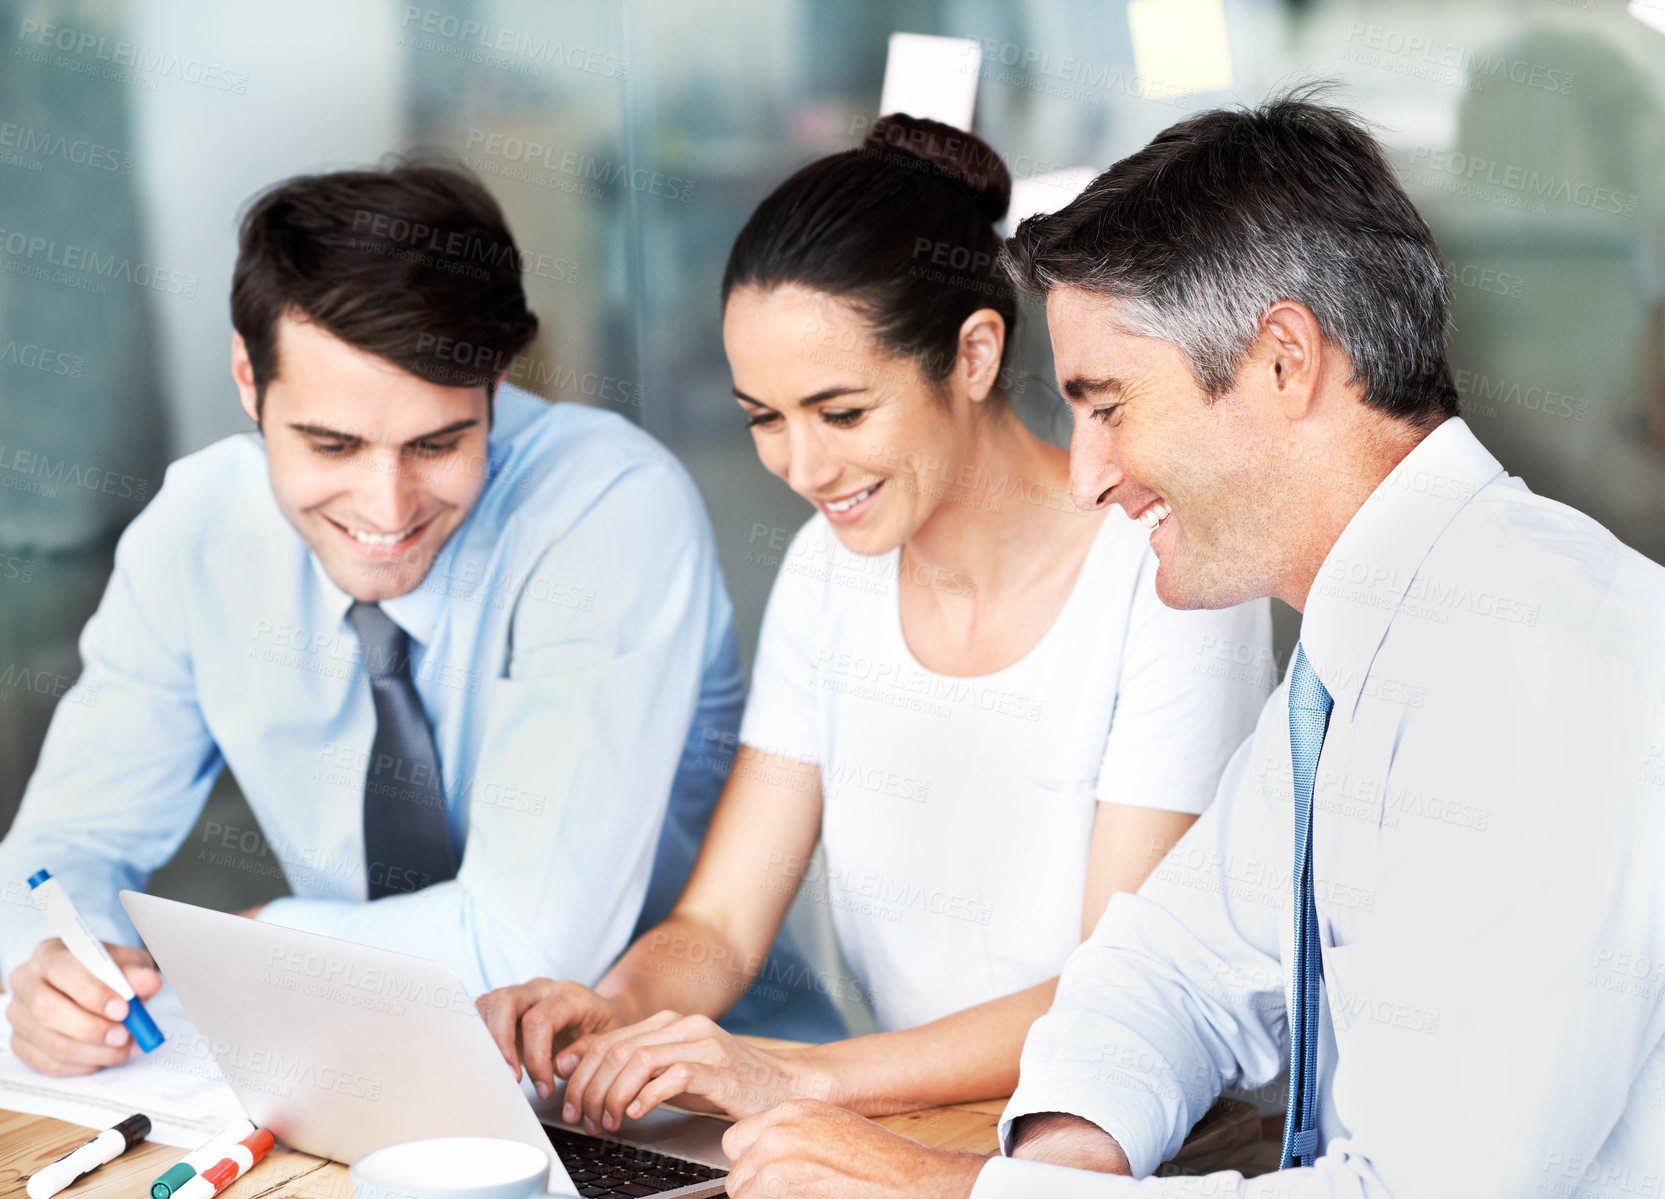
(1231, 211)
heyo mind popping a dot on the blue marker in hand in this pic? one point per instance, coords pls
(78, 936)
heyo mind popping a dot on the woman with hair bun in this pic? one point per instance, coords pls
(966, 690)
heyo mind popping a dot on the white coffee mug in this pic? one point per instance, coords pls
(451, 1168)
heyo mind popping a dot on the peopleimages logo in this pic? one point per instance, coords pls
(454, 252)
(1378, 45)
(518, 43)
(1486, 394)
(580, 168)
(1064, 75)
(352, 975)
(25, 141)
(30, 254)
(1525, 183)
(34, 357)
(44, 473)
(124, 61)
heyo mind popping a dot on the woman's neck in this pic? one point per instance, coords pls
(1000, 509)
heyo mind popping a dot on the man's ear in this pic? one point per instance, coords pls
(1292, 353)
(242, 373)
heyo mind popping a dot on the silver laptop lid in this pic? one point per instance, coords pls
(337, 1048)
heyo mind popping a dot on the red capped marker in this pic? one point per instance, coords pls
(238, 1161)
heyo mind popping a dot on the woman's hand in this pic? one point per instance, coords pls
(630, 1071)
(534, 1020)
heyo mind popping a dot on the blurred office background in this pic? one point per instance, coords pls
(628, 140)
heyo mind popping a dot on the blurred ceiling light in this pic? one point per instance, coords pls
(1650, 12)
(933, 77)
(1180, 45)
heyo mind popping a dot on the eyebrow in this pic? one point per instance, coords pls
(1079, 389)
(337, 435)
(831, 393)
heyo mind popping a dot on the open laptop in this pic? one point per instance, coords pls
(340, 1048)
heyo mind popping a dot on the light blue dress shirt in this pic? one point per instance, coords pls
(1488, 832)
(572, 645)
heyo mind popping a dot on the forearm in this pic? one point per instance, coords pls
(969, 1055)
(683, 965)
(1060, 1139)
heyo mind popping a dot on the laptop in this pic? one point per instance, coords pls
(340, 1048)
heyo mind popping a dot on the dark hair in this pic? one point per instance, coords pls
(902, 228)
(1231, 211)
(413, 263)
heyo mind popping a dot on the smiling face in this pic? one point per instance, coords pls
(374, 467)
(856, 431)
(1201, 475)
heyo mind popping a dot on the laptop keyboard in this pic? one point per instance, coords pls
(601, 1168)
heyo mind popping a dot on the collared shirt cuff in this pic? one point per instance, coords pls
(1130, 1114)
(1008, 1178)
(23, 931)
(26, 929)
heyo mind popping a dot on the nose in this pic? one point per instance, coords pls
(388, 498)
(1093, 470)
(810, 469)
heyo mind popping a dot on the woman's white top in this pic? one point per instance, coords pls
(958, 812)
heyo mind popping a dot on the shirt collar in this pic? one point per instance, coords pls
(417, 612)
(336, 601)
(1370, 567)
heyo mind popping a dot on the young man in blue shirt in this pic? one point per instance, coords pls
(467, 653)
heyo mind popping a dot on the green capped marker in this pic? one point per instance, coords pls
(187, 1167)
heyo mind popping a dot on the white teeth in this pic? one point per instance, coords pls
(364, 538)
(1155, 514)
(846, 505)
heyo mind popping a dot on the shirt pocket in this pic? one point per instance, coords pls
(1386, 1029)
(1063, 753)
(1375, 995)
(1349, 797)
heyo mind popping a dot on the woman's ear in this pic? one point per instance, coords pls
(982, 342)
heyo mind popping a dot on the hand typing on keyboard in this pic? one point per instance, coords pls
(534, 1020)
(689, 1060)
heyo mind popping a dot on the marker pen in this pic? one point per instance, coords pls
(69, 924)
(199, 1159)
(106, 1146)
(238, 1161)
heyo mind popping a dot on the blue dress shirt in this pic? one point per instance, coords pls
(572, 646)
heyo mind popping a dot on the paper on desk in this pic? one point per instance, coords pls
(178, 1085)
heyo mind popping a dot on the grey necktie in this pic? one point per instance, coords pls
(407, 842)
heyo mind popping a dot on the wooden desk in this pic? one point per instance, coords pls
(1228, 1137)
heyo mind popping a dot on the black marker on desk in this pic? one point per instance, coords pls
(105, 1147)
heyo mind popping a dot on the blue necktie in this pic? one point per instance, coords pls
(407, 842)
(1309, 720)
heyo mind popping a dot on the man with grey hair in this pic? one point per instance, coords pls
(1431, 882)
